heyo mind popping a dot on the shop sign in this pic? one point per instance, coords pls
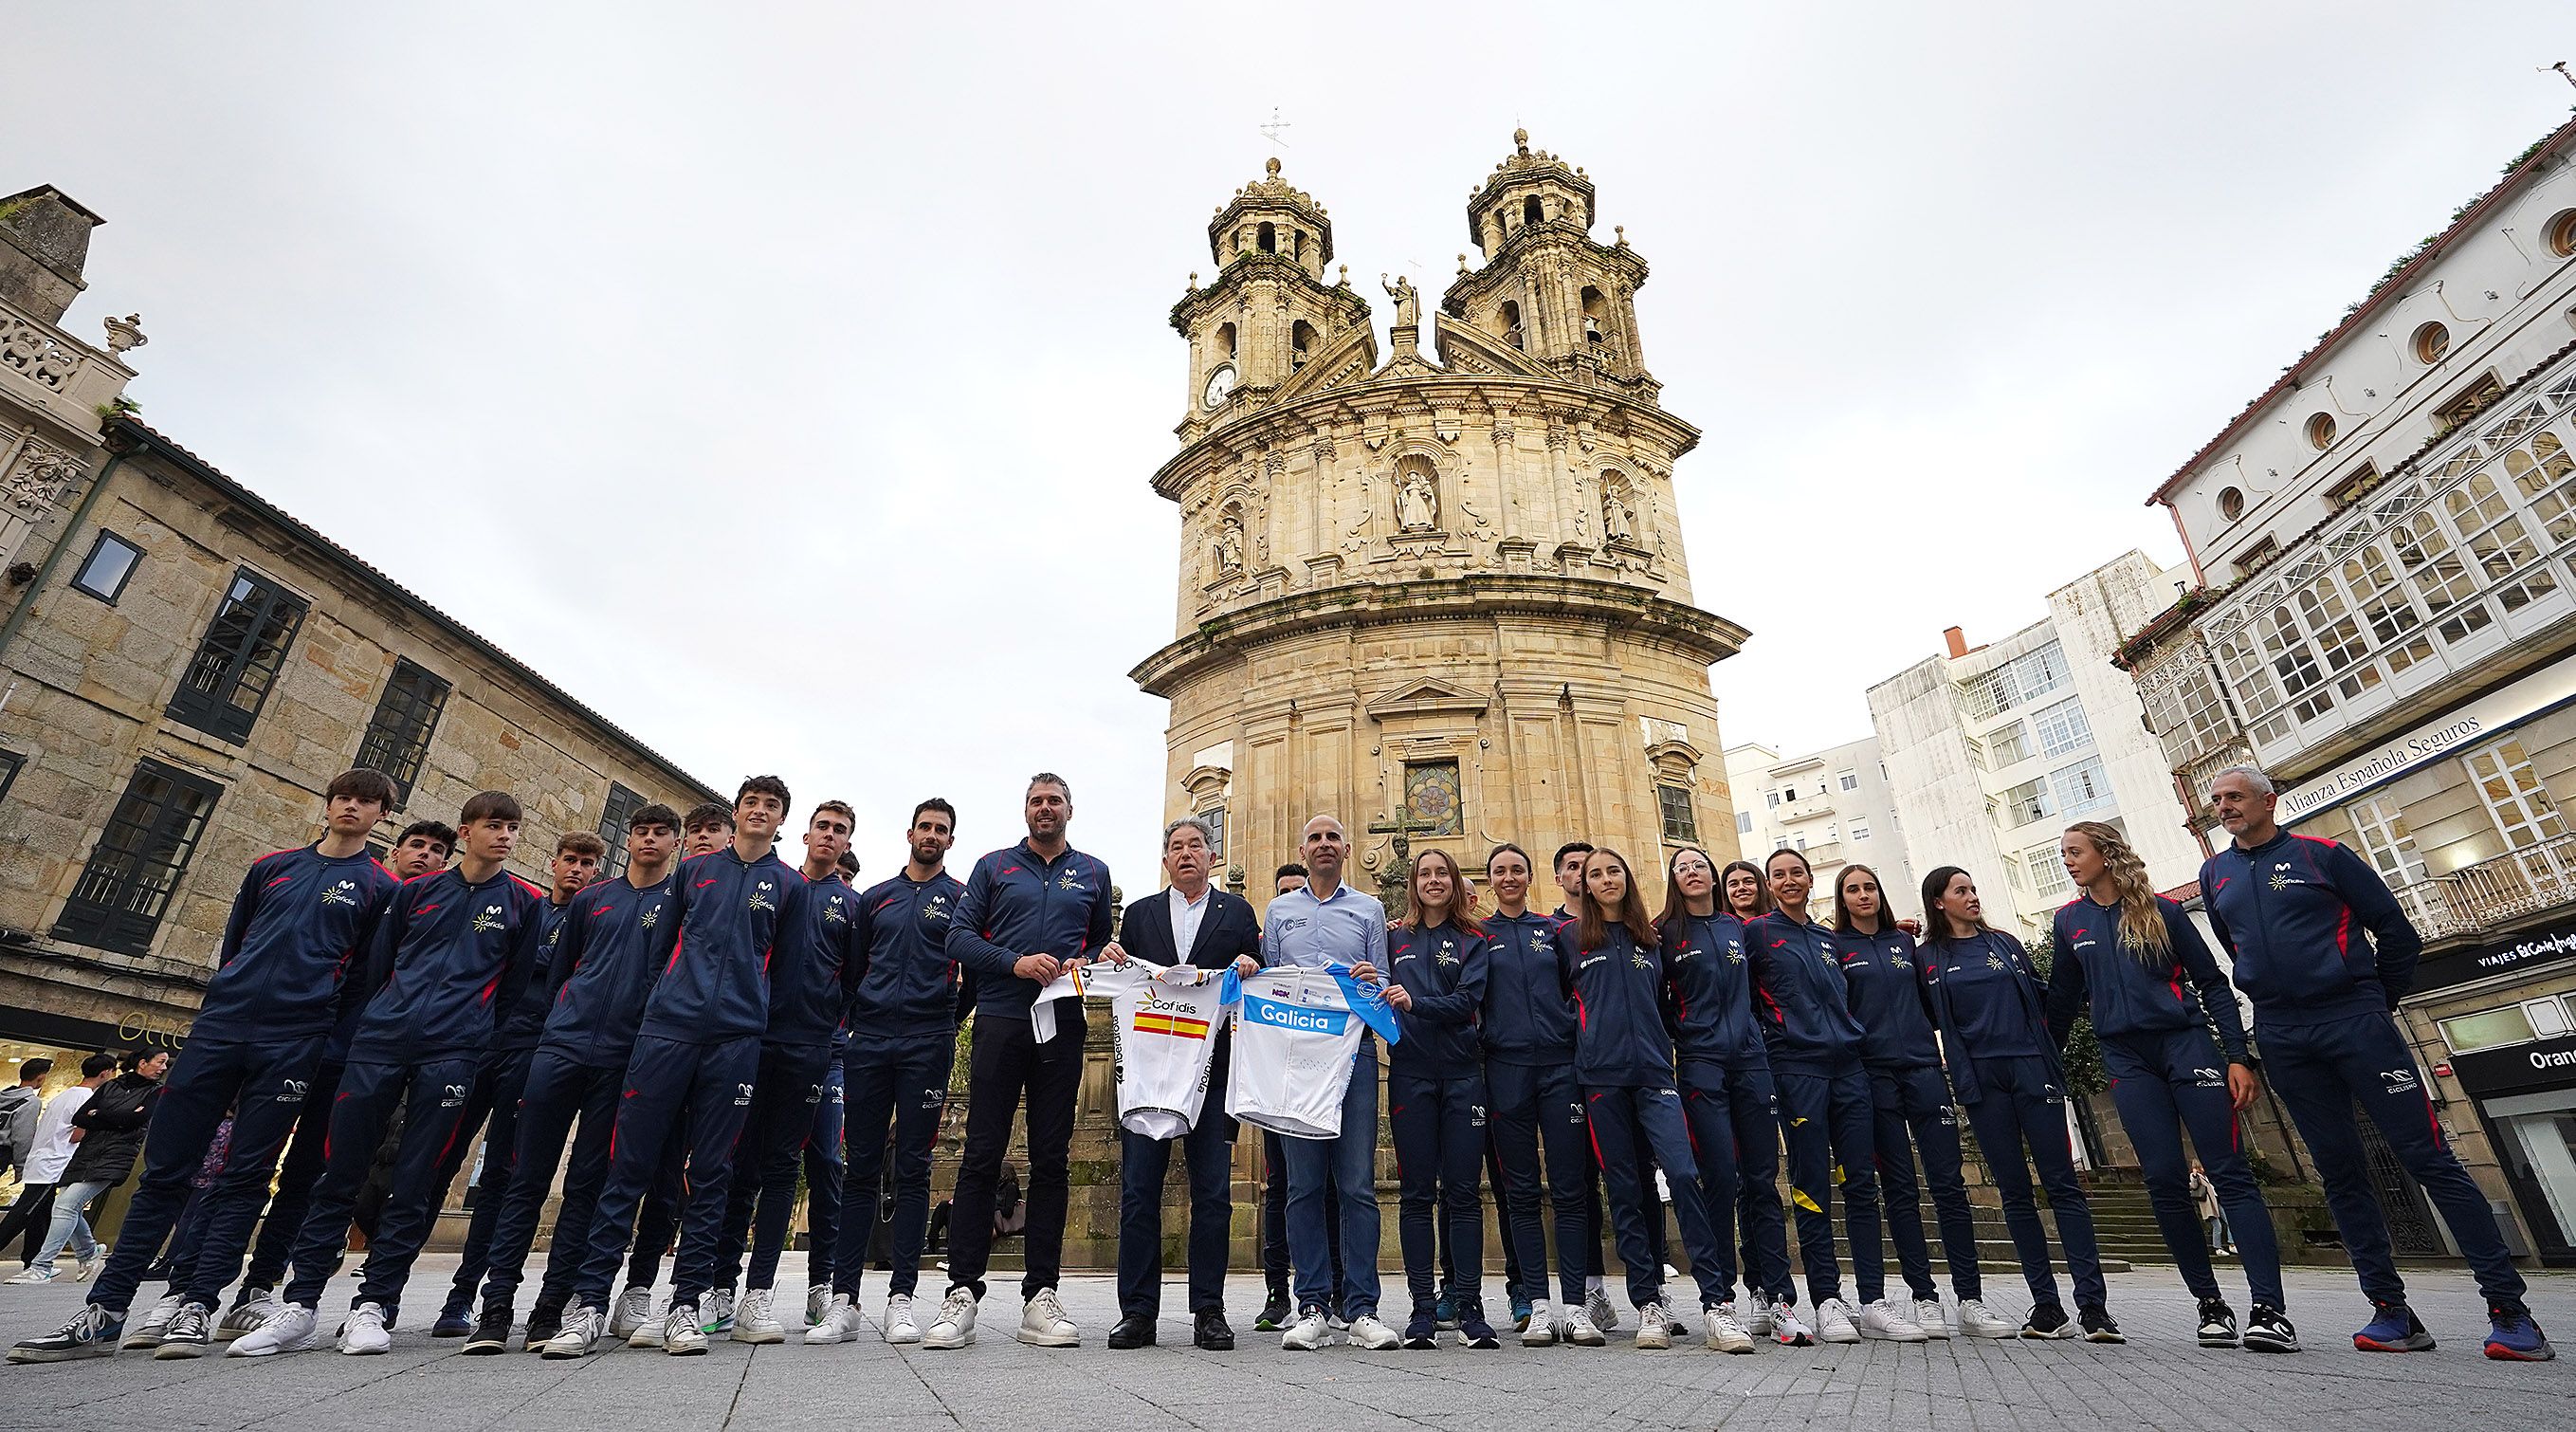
(2553, 942)
(2519, 1068)
(2483, 719)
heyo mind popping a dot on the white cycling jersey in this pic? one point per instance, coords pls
(1295, 1036)
(1167, 1018)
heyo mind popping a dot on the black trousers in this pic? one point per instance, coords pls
(1008, 1070)
(1142, 1165)
(31, 1215)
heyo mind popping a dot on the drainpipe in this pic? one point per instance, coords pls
(54, 558)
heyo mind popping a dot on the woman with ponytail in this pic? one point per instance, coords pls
(1435, 1091)
(1992, 1010)
(2156, 995)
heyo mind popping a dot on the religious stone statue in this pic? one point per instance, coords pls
(1229, 545)
(1417, 502)
(1408, 304)
(1618, 519)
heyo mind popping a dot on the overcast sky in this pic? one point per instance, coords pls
(784, 380)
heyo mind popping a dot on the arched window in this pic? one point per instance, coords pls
(1225, 343)
(1596, 316)
(1269, 239)
(2231, 503)
(1301, 344)
(1533, 212)
(1510, 318)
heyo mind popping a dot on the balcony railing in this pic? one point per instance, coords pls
(2477, 898)
(44, 367)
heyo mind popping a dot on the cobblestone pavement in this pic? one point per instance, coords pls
(2161, 1378)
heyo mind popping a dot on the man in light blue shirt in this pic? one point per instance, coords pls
(1329, 923)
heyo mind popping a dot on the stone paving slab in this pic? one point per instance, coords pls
(2160, 1379)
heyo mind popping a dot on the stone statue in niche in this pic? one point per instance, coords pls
(1417, 502)
(1227, 549)
(1408, 304)
(1618, 515)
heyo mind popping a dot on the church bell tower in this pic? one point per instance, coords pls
(1269, 313)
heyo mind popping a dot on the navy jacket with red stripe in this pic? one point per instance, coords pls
(908, 985)
(729, 915)
(449, 953)
(1527, 1018)
(614, 940)
(817, 967)
(1713, 991)
(1799, 994)
(524, 1023)
(1623, 1015)
(1015, 905)
(2132, 989)
(300, 931)
(1884, 979)
(2316, 933)
(1443, 969)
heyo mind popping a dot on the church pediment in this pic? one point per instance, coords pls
(1467, 349)
(1427, 697)
(1348, 361)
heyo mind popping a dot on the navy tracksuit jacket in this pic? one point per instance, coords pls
(499, 1085)
(903, 1022)
(296, 939)
(607, 949)
(1910, 1107)
(696, 1060)
(2325, 952)
(448, 950)
(1727, 1093)
(1016, 904)
(1527, 1027)
(1828, 1118)
(1435, 1089)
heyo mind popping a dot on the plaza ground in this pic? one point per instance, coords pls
(2160, 1379)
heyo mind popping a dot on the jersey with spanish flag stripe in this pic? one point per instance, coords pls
(1166, 1033)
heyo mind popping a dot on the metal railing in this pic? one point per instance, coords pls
(2476, 898)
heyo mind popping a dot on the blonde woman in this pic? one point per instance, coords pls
(2134, 960)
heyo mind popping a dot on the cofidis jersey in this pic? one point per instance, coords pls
(300, 928)
(447, 948)
(730, 913)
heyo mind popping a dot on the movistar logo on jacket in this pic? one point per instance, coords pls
(344, 893)
(491, 918)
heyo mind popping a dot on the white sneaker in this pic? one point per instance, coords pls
(1604, 1313)
(634, 1310)
(684, 1332)
(581, 1333)
(365, 1334)
(900, 1329)
(37, 1273)
(1976, 1320)
(1541, 1331)
(648, 1333)
(1786, 1330)
(955, 1325)
(841, 1322)
(1883, 1319)
(715, 1312)
(818, 1301)
(1757, 1316)
(1581, 1331)
(1927, 1316)
(248, 1314)
(293, 1327)
(1367, 1332)
(754, 1320)
(1834, 1322)
(1306, 1332)
(89, 1266)
(1043, 1323)
(146, 1330)
(1654, 1328)
(1725, 1334)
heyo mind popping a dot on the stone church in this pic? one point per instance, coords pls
(1441, 594)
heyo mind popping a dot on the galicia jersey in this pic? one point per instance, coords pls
(605, 959)
(1166, 1027)
(300, 929)
(447, 950)
(1296, 1034)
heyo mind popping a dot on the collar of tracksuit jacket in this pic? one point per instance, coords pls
(448, 950)
(2097, 974)
(297, 943)
(2315, 932)
(1884, 975)
(605, 961)
(907, 984)
(1443, 969)
(1017, 904)
(2027, 1014)
(817, 964)
(1799, 994)
(1713, 991)
(1527, 1019)
(1619, 1001)
(730, 915)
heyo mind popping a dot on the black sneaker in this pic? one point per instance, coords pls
(2217, 1323)
(2048, 1320)
(1424, 1330)
(453, 1322)
(2098, 1326)
(1274, 1312)
(491, 1333)
(188, 1333)
(544, 1321)
(2267, 1331)
(1472, 1325)
(92, 1332)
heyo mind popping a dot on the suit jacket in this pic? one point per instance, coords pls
(1228, 929)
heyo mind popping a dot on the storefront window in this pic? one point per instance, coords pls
(2487, 1029)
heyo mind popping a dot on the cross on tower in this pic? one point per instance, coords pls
(1274, 129)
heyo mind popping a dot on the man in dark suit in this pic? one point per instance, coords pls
(1197, 924)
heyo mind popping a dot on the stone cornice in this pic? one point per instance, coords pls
(1705, 635)
(1617, 260)
(1251, 264)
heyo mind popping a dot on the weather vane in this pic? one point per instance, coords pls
(1275, 129)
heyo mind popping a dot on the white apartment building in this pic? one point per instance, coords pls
(2387, 537)
(1992, 751)
(1834, 805)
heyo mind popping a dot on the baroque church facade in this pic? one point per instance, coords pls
(1441, 592)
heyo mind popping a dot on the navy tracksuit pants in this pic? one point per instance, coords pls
(1626, 1123)
(1828, 1121)
(1735, 1133)
(296, 1175)
(264, 1087)
(786, 1099)
(903, 1083)
(2163, 1084)
(2321, 1071)
(433, 1095)
(498, 1087)
(1438, 1125)
(2020, 1105)
(825, 1170)
(1535, 1125)
(558, 1093)
(667, 1080)
(1912, 1113)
